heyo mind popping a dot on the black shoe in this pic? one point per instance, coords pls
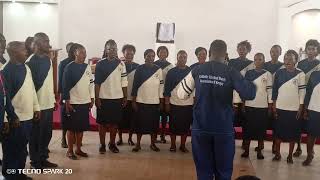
(173, 149)
(183, 149)
(113, 148)
(289, 160)
(48, 164)
(257, 149)
(102, 149)
(120, 142)
(277, 157)
(260, 155)
(297, 153)
(130, 142)
(82, 154)
(136, 149)
(71, 156)
(153, 147)
(308, 161)
(245, 154)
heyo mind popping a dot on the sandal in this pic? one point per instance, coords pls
(173, 149)
(308, 161)
(297, 153)
(183, 149)
(113, 148)
(130, 142)
(277, 157)
(153, 147)
(289, 160)
(81, 153)
(119, 143)
(257, 148)
(71, 156)
(260, 155)
(245, 154)
(136, 149)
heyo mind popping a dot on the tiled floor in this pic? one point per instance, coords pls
(167, 166)
(268, 170)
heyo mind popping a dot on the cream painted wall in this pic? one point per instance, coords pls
(21, 20)
(197, 23)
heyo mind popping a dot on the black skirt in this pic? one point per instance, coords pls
(255, 124)
(239, 117)
(147, 120)
(164, 118)
(127, 122)
(313, 124)
(110, 112)
(303, 126)
(180, 119)
(78, 120)
(287, 127)
(270, 121)
(63, 116)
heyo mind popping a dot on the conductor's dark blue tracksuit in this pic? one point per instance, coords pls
(213, 142)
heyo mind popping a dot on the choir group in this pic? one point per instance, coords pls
(134, 97)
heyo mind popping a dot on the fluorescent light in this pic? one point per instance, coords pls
(16, 9)
(43, 10)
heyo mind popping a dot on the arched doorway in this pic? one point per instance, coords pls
(305, 25)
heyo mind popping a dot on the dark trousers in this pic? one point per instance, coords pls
(213, 155)
(40, 138)
(14, 147)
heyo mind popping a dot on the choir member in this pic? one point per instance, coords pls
(21, 90)
(180, 111)
(288, 98)
(110, 94)
(257, 110)
(42, 75)
(201, 54)
(78, 94)
(165, 65)
(62, 65)
(128, 119)
(273, 66)
(147, 96)
(312, 100)
(308, 65)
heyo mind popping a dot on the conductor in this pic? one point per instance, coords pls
(213, 143)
